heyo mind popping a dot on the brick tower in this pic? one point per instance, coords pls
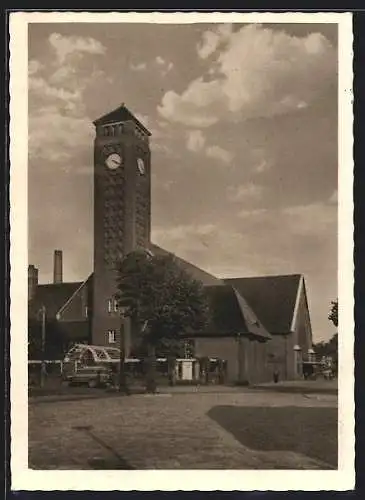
(122, 213)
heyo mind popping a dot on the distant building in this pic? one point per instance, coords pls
(259, 325)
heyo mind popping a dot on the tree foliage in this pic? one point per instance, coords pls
(160, 297)
(329, 348)
(333, 315)
(55, 341)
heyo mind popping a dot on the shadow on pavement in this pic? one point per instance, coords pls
(306, 430)
(115, 462)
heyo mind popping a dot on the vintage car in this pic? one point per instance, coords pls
(93, 376)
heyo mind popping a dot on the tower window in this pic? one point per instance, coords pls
(115, 303)
(110, 305)
(112, 336)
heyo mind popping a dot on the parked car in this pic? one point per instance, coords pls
(93, 376)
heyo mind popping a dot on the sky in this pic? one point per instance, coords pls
(244, 144)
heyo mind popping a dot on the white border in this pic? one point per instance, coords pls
(224, 480)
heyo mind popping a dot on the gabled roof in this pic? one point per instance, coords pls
(231, 315)
(53, 296)
(194, 271)
(273, 298)
(120, 114)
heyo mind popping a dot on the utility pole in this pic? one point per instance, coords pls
(43, 346)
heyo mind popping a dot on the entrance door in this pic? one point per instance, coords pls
(187, 370)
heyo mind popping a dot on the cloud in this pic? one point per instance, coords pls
(244, 192)
(259, 72)
(219, 153)
(172, 236)
(159, 60)
(212, 39)
(311, 219)
(59, 127)
(34, 67)
(138, 66)
(56, 137)
(262, 166)
(41, 87)
(195, 140)
(65, 46)
(196, 107)
(165, 66)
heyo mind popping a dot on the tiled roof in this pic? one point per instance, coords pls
(53, 296)
(194, 271)
(119, 115)
(231, 315)
(271, 297)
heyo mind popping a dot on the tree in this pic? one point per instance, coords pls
(163, 301)
(333, 315)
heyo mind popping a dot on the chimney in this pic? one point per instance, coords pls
(57, 266)
(32, 281)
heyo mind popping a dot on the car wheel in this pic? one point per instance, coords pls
(92, 384)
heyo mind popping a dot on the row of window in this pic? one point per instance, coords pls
(112, 305)
(112, 336)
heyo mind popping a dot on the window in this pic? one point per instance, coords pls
(86, 312)
(112, 336)
(115, 305)
(110, 305)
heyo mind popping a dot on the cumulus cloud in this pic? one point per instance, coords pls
(41, 87)
(219, 154)
(58, 125)
(211, 39)
(198, 106)
(244, 192)
(65, 46)
(195, 140)
(56, 137)
(260, 72)
(138, 66)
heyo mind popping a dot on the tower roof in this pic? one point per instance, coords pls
(120, 114)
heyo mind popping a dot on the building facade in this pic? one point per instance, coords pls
(259, 325)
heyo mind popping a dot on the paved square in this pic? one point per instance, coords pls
(179, 431)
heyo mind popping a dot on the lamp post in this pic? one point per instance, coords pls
(42, 312)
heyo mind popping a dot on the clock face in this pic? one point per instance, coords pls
(141, 167)
(113, 161)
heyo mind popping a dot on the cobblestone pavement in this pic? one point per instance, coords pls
(162, 431)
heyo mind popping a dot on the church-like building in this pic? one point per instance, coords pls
(258, 324)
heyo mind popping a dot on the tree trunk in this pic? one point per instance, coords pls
(151, 370)
(171, 370)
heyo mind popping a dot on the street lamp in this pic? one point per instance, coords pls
(42, 313)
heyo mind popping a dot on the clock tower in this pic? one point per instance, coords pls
(122, 214)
